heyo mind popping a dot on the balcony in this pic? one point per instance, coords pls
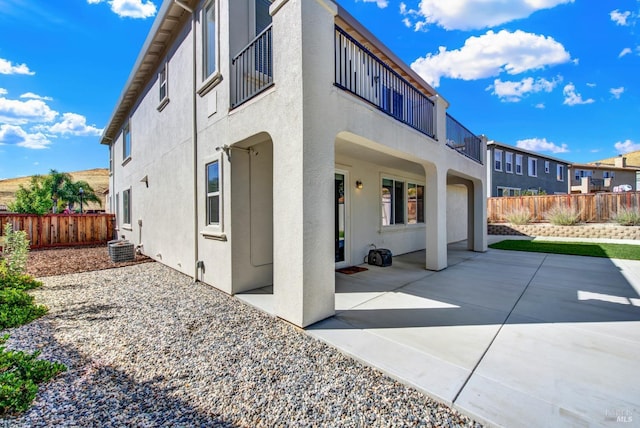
(362, 73)
(252, 68)
(463, 141)
(359, 71)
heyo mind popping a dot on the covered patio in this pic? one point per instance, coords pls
(513, 339)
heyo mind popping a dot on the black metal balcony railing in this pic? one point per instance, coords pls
(252, 68)
(464, 141)
(360, 72)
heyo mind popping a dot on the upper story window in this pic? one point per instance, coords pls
(533, 167)
(213, 193)
(560, 173)
(580, 173)
(519, 164)
(497, 156)
(263, 18)
(110, 159)
(508, 162)
(210, 40)
(547, 166)
(608, 174)
(162, 81)
(126, 142)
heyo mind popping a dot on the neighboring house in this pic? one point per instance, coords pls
(512, 171)
(604, 176)
(260, 143)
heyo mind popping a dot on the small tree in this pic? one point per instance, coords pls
(35, 199)
(533, 192)
(56, 182)
(16, 251)
(71, 192)
(50, 192)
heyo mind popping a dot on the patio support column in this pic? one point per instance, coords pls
(436, 217)
(303, 163)
(477, 216)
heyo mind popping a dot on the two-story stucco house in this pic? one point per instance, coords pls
(265, 143)
(512, 171)
(604, 176)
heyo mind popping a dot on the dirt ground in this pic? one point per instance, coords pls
(60, 261)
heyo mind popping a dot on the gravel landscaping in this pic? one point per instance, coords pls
(146, 347)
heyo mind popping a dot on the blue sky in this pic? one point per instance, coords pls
(554, 76)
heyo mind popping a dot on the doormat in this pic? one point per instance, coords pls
(351, 270)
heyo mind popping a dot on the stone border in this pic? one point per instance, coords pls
(596, 230)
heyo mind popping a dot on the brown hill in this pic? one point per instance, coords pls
(633, 159)
(97, 178)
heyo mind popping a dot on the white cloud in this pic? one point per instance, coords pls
(3, 91)
(594, 150)
(620, 18)
(616, 92)
(6, 67)
(626, 146)
(20, 112)
(572, 98)
(491, 54)
(511, 91)
(541, 145)
(131, 8)
(591, 85)
(33, 96)
(540, 106)
(381, 3)
(11, 134)
(474, 14)
(74, 124)
(625, 51)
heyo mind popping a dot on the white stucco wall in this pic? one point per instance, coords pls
(161, 150)
(457, 211)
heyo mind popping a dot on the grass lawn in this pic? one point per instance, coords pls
(612, 251)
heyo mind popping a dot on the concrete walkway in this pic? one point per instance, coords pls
(510, 338)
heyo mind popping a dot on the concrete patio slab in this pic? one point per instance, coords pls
(510, 338)
(422, 370)
(563, 377)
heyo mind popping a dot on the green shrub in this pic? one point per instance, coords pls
(20, 374)
(18, 282)
(17, 308)
(16, 251)
(628, 216)
(562, 216)
(518, 216)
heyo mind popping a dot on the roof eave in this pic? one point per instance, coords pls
(138, 76)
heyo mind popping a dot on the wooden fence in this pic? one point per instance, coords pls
(593, 207)
(59, 230)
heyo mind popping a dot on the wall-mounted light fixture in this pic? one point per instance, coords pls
(227, 150)
(358, 184)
